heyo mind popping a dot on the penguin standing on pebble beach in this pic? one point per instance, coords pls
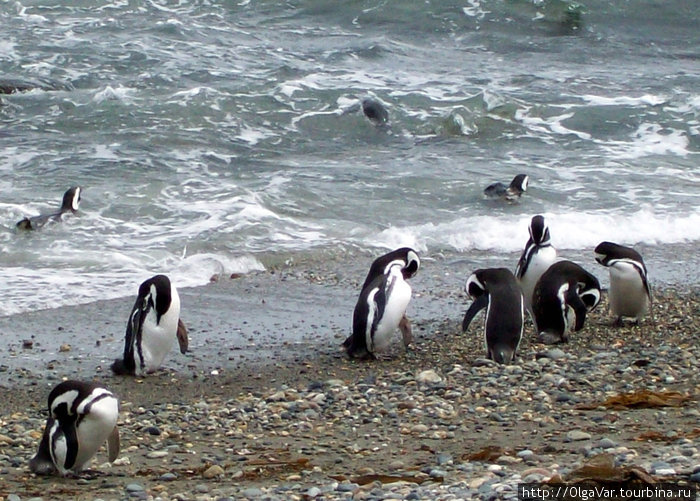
(629, 294)
(536, 258)
(562, 297)
(153, 327)
(82, 416)
(497, 290)
(381, 306)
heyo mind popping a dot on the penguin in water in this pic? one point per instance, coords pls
(375, 111)
(510, 193)
(381, 307)
(82, 416)
(70, 204)
(539, 254)
(497, 290)
(153, 327)
(629, 294)
(562, 297)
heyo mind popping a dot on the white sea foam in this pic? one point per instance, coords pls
(650, 139)
(645, 100)
(569, 231)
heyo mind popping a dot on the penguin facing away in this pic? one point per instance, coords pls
(510, 193)
(497, 290)
(82, 416)
(153, 327)
(381, 306)
(562, 297)
(70, 204)
(537, 256)
(629, 294)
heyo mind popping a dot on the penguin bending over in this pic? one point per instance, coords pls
(497, 290)
(629, 294)
(381, 306)
(510, 193)
(536, 258)
(153, 327)
(70, 204)
(562, 297)
(82, 416)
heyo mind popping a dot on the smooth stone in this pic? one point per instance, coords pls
(252, 493)
(153, 430)
(134, 488)
(13, 497)
(213, 471)
(156, 454)
(606, 443)
(555, 354)
(313, 492)
(576, 435)
(695, 477)
(525, 453)
(346, 487)
(168, 477)
(428, 377)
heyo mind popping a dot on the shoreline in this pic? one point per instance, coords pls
(269, 398)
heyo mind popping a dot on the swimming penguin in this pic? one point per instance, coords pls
(70, 204)
(381, 307)
(375, 111)
(497, 290)
(629, 294)
(538, 255)
(562, 297)
(510, 193)
(82, 416)
(153, 327)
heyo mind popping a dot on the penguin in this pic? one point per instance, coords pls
(70, 204)
(629, 294)
(510, 193)
(375, 111)
(381, 306)
(82, 416)
(562, 297)
(497, 290)
(538, 255)
(153, 327)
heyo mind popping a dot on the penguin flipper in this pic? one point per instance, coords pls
(113, 445)
(182, 339)
(41, 463)
(479, 304)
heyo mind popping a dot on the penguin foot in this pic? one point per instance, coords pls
(617, 322)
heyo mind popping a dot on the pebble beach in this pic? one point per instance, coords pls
(295, 419)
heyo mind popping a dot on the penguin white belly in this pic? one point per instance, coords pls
(158, 339)
(94, 429)
(628, 296)
(395, 309)
(540, 261)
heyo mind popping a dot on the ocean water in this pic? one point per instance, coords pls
(225, 136)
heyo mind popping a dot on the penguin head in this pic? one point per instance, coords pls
(539, 231)
(375, 111)
(474, 287)
(608, 253)
(71, 199)
(412, 264)
(589, 292)
(157, 291)
(519, 184)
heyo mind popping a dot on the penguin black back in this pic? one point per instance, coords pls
(497, 290)
(562, 297)
(375, 111)
(405, 255)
